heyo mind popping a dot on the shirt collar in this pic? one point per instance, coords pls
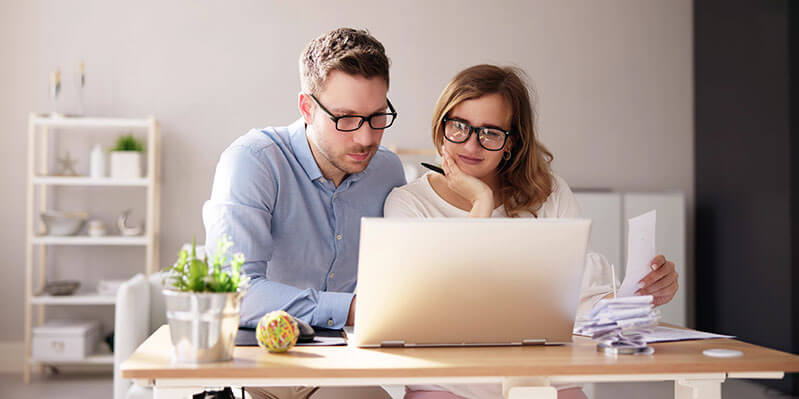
(302, 150)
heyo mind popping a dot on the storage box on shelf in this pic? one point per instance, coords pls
(45, 343)
(61, 340)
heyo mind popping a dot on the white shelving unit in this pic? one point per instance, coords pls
(77, 299)
(95, 359)
(87, 181)
(86, 240)
(39, 130)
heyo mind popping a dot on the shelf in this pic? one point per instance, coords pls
(43, 190)
(79, 299)
(89, 122)
(88, 181)
(97, 358)
(87, 240)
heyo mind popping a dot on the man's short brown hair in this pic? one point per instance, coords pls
(348, 50)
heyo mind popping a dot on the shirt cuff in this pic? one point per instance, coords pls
(332, 309)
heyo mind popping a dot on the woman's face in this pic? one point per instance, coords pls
(490, 110)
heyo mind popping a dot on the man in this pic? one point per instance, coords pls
(292, 198)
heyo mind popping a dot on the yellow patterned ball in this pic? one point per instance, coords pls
(277, 331)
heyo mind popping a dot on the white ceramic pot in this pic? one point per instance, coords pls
(96, 228)
(126, 164)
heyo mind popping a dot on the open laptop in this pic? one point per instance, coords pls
(461, 282)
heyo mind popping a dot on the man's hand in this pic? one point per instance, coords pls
(351, 316)
(661, 282)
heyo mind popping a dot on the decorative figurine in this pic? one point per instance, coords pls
(55, 91)
(123, 227)
(67, 166)
(81, 86)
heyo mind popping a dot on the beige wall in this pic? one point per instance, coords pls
(614, 82)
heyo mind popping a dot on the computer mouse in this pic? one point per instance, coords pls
(307, 332)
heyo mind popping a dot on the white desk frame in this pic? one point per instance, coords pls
(686, 386)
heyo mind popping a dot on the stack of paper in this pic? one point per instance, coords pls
(620, 322)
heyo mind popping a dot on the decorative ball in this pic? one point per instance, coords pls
(277, 331)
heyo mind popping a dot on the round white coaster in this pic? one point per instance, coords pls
(722, 353)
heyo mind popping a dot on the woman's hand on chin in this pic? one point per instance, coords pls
(468, 187)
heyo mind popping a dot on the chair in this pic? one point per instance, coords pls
(140, 310)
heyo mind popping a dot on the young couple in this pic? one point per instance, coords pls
(291, 198)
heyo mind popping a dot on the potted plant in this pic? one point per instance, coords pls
(203, 304)
(126, 158)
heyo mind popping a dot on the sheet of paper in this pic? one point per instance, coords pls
(640, 251)
(349, 331)
(325, 341)
(665, 334)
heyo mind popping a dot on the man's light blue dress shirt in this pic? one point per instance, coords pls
(298, 232)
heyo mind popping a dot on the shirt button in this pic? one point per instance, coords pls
(332, 275)
(322, 179)
(338, 237)
(335, 196)
(330, 322)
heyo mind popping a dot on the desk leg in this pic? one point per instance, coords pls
(698, 389)
(528, 388)
(175, 393)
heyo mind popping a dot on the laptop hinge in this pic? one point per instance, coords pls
(534, 342)
(392, 344)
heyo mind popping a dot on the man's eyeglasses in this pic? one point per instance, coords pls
(492, 139)
(351, 123)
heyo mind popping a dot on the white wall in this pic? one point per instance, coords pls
(614, 81)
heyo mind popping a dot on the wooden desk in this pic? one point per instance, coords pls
(525, 372)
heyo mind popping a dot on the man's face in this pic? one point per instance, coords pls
(343, 153)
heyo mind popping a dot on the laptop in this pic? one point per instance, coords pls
(468, 282)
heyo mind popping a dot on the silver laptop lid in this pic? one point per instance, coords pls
(441, 282)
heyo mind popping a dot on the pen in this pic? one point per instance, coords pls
(434, 168)
(613, 277)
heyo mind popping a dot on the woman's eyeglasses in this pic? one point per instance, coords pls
(490, 138)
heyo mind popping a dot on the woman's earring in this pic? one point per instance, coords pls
(506, 155)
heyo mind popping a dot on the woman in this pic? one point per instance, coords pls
(484, 128)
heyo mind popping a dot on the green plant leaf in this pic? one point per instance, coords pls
(128, 142)
(193, 273)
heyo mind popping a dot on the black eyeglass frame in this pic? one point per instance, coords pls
(368, 119)
(473, 129)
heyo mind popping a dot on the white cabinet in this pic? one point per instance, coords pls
(41, 130)
(609, 212)
(605, 211)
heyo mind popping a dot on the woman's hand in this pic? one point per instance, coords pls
(469, 187)
(661, 282)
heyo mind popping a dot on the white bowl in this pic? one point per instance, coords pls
(63, 223)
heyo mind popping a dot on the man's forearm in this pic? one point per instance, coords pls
(317, 308)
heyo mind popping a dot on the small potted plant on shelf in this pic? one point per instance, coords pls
(203, 304)
(126, 158)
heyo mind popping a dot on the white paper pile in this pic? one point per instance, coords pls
(620, 322)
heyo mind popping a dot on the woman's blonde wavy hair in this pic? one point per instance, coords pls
(525, 179)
